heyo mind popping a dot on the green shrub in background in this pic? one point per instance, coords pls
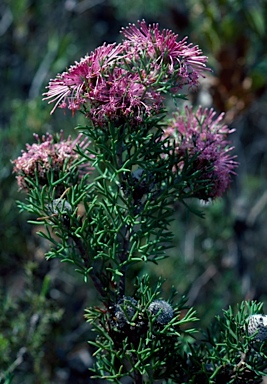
(26, 322)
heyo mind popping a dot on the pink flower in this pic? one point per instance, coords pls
(70, 88)
(122, 96)
(108, 93)
(184, 62)
(47, 155)
(200, 140)
(127, 81)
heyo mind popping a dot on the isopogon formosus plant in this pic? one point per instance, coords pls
(108, 197)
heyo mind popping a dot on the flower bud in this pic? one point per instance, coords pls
(257, 323)
(124, 311)
(162, 310)
(63, 209)
(60, 206)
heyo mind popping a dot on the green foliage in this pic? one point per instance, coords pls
(127, 208)
(226, 353)
(233, 31)
(139, 346)
(124, 221)
(137, 10)
(25, 323)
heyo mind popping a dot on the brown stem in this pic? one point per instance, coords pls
(123, 257)
(86, 260)
(138, 378)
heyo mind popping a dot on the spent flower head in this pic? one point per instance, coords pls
(49, 154)
(200, 140)
(257, 323)
(123, 311)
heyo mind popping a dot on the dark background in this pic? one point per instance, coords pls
(216, 261)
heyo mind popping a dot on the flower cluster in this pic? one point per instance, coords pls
(126, 81)
(171, 59)
(200, 139)
(48, 154)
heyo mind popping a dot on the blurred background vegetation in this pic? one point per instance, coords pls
(216, 261)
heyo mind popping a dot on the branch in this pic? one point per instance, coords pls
(86, 260)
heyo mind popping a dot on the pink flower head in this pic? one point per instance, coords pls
(70, 89)
(202, 139)
(100, 83)
(45, 156)
(185, 62)
(122, 96)
(127, 81)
